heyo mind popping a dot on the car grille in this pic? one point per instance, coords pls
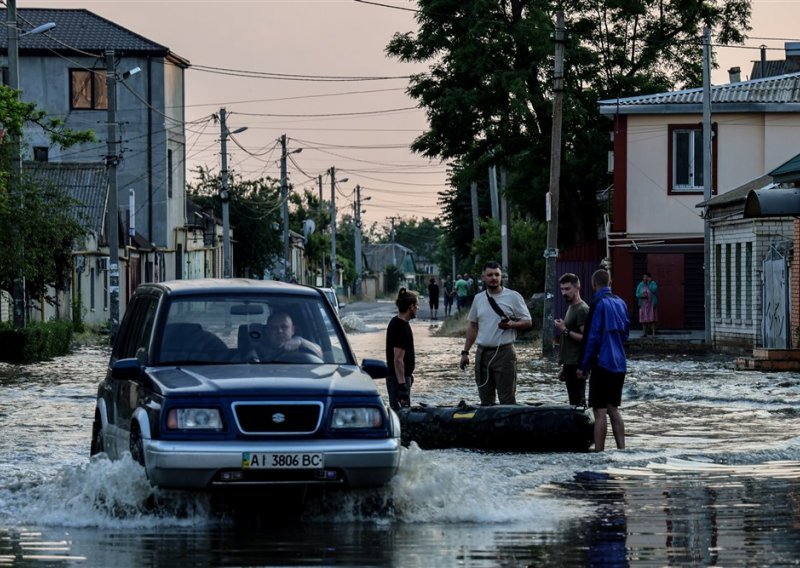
(278, 418)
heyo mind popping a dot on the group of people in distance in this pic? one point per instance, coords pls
(592, 344)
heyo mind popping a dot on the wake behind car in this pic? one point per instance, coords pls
(230, 382)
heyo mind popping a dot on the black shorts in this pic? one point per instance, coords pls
(605, 388)
(434, 303)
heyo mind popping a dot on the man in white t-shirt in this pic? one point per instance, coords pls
(493, 321)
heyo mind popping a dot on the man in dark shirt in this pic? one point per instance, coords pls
(433, 297)
(400, 350)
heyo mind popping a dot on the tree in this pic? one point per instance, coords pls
(38, 223)
(488, 91)
(255, 215)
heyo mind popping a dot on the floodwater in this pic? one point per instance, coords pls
(711, 476)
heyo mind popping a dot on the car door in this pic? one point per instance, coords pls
(134, 342)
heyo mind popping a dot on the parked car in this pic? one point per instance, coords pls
(330, 293)
(226, 382)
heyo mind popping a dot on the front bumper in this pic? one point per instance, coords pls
(199, 465)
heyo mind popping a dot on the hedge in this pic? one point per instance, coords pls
(35, 342)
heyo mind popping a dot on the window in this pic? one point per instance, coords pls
(686, 159)
(4, 71)
(738, 277)
(87, 89)
(169, 173)
(40, 154)
(748, 281)
(728, 288)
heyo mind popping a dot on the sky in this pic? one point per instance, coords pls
(328, 38)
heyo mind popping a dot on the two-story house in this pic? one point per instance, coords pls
(64, 73)
(658, 180)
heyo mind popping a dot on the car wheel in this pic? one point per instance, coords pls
(97, 438)
(137, 445)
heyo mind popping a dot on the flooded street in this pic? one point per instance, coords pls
(711, 476)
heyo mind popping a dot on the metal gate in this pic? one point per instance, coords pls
(775, 290)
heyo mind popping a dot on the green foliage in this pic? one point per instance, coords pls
(255, 217)
(393, 277)
(16, 114)
(37, 232)
(35, 342)
(38, 224)
(527, 264)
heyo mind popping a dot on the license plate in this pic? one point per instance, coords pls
(258, 460)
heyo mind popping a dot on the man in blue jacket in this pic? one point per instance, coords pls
(603, 355)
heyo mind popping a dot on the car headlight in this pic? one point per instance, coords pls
(363, 417)
(194, 419)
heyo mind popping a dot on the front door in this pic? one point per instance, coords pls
(667, 271)
(775, 319)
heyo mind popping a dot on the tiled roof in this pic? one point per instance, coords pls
(77, 29)
(774, 94)
(86, 184)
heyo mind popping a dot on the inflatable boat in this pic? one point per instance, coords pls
(505, 427)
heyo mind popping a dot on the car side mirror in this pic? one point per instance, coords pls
(126, 370)
(375, 368)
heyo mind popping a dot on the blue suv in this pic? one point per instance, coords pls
(228, 382)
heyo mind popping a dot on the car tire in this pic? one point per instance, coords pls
(97, 446)
(137, 445)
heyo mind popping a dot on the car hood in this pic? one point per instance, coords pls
(249, 379)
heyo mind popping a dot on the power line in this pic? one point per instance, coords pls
(290, 76)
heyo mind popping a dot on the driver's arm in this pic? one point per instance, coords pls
(310, 346)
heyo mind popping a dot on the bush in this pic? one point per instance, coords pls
(35, 342)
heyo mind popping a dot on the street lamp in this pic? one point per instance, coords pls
(285, 204)
(224, 195)
(18, 290)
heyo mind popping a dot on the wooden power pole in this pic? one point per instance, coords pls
(551, 253)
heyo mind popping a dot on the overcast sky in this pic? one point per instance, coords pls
(326, 38)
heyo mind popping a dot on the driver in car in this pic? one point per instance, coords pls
(281, 337)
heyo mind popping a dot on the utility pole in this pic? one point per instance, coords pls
(504, 225)
(357, 235)
(18, 289)
(707, 173)
(112, 159)
(551, 254)
(493, 192)
(224, 195)
(285, 210)
(394, 255)
(333, 226)
(319, 222)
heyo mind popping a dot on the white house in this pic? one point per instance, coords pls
(657, 163)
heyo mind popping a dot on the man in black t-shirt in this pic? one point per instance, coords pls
(400, 350)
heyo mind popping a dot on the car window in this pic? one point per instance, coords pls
(136, 328)
(245, 329)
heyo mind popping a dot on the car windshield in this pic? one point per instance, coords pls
(262, 328)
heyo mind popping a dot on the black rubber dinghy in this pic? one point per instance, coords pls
(504, 427)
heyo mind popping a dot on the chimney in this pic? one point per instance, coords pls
(735, 74)
(762, 71)
(792, 49)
